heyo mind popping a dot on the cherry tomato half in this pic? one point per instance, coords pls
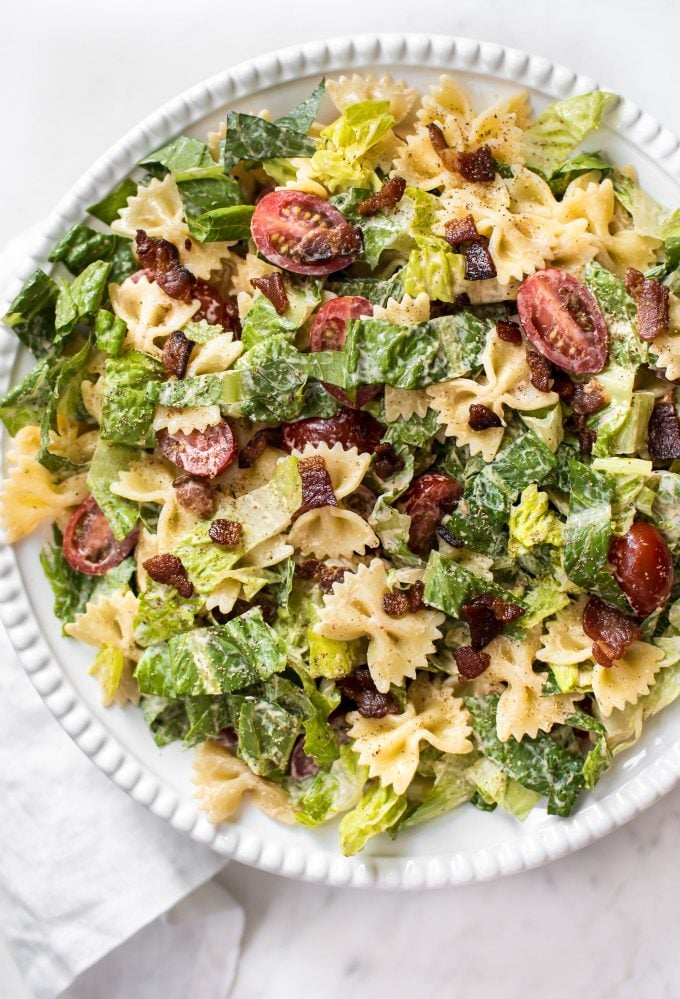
(563, 321)
(89, 544)
(215, 309)
(426, 500)
(304, 234)
(329, 332)
(203, 453)
(643, 566)
(350, 428)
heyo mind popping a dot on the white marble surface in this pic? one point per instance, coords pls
(74, 76)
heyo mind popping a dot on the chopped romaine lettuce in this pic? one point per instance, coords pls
(82, 246)
(109, 207)
(81, 298)
(532, 523)
(330, 792)
(449, 585)
(31, 313)
(108, 668)
(496, 788)
(378, 810)
(574, 167)
(109, 332)
(108, 461)
(252, 138)
(266, 736)
(130, 396)
(72, 589)
(548, 142)
(263, 321)
(162, 613)
(229, 223)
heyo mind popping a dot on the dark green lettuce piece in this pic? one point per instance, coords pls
(539, 764)
(71, 589)
(380, 232)
(178, 156)
(31, 313)
(378, 291)
(130, 397)
(587, 531)
(163, 613)
(625, 346)
(448, 585)
(25, 404)
(65, 398)
(82, 246)
(108, 461)
(266, 736)
(109, 207)
(230, 222)
(574, 167)
(417, 431)
(273, 378)
(303, 116)
(252, 138)
(109, 332)
(80, 299)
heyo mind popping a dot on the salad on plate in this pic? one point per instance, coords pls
(356, 451)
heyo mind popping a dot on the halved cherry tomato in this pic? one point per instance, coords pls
(215, 309)
(89, 544)
(329, 332)
(203, 453)
(304, 234)
(563, 321)
(351, 428)
(643, 566)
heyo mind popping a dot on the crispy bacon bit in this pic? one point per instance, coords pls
(322, 244)
(486, 615)
(359, 687)
(470, 662)
(426, 500)
(387, 198)
(541, 370)
(195, 494)
(248, 455)
(162, 258)
(477, 166)
(563, 385)
(588, 397)
(479, 265)
(272, 286)
(395, 603)
(611, 631)
(415, 596)
(483, 418)
(301, 765)
(460, 231)
(387, 462)
(663, 432)
(586, 440)
(325, 575)
(445, 534)
(508, 331)
(176, 351)
(225, 532)
(652, 299)
(441, 147)
(170, 570)
(317, 488)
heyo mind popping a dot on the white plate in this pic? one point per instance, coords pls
(466, 845)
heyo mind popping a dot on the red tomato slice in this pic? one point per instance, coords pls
(329, 332)
(215, 309)
(203, 453)
(89, 544)
(563, 321)
(304, 234)
(351, 428)
(643, 566)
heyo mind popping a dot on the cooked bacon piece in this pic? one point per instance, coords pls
(195, 494)
(325, 575)
(301, 765)
(317, 488)
(477, 166)
(415, 595)
(652, 299)
(395, 603)
(272, 286)
(663, 432)
(479, 265)
(460, 231)
(563, 385)
(586, 440)
(611, 631)
(176, 351)
(441, 147)
(225, 532)
(321, 244)
(387, 462)
(162, 258)
(470, 662)
(170, 570)
(359, 687)
(483, 418)
(387, 198)
(257, 444)
(426, 500)
(486, 615)
(541, 370)
(507, 331)
(588, 397)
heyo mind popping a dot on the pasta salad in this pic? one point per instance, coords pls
(359, 448)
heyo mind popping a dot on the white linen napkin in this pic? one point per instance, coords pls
(84, 868)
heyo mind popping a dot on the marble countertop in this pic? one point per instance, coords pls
(600, 923)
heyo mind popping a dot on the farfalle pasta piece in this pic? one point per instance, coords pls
(390, 746)
(186, 420)
(29, 496)
(522, 710)
(565, 643)
(109, 621)
(397, 647)
(348, 90)
(406, 312)
(268, 552)
(158, 210)
(405, 403)
(215, 356)
(332, 532)
(346, 467)
(618, 246)
(665, 349)
(149, 314)
(243, 270)
(150, 481)
(222, 781)
(146, 548)
(629, 679)
(507, 382)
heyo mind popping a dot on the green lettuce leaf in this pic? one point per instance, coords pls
(31, 313)
(330, 792)
(72, 589)
(64, 399)
(382, 231)
(231, 222)
(303, 116)
(449, 585)
(378, 810)
(109, 332)
(25, 404)
(417, 431)
(180, 155)
(108, 461)
(82, 246)
(532, 523)
(587, 531)
(627, 478)
(376, 290)
(130, 396)
(266, 736)
(625, 346)
(252, 138)
(548, 142)
(649, 218)
(666, 508)
(313, 707)
(543, 599)
(163, 613)
(263, 321)
(108, 209)
(81, 298)
(574, 167)
(450, 789)
(496, 788)
(202, 332)
(273, 377)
